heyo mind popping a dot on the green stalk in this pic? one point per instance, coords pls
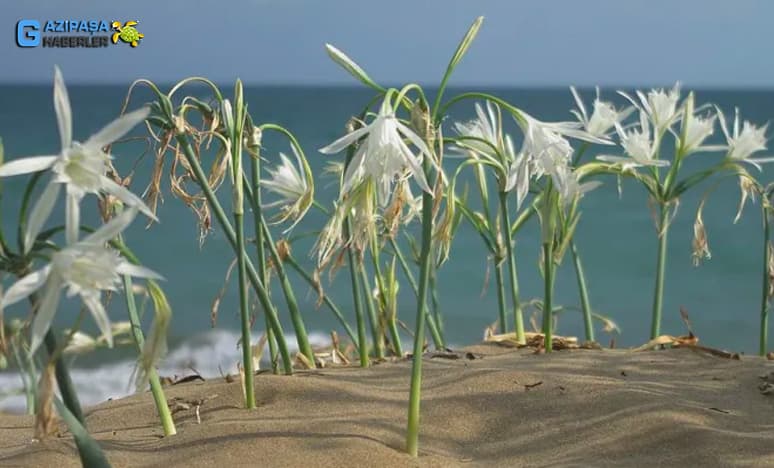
(238, 207)
(165, 415)
(27, 374)
(255, 177)
(584, 294)
(437, 338)
(412, 433)
(327, 300)
(295, 314)
(389, 318)
(377, 334)
(501, 296)
(764, 331)
(244, 314)
(548, 271)
(228, 230)
(357, 303)
(518, 318)
(658, 293)
(436, 304)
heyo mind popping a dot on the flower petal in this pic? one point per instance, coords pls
(94, 304)
(126, 268)
(45, 312)
(27, 165)
(117, 128)
(414, 138)
(112, 228)
(64, 117)
(72, 218)
(579, 103)
(39, 214)
(354, 172)
(25, 286)
(126, 196)
(416, 167)
(345, 141)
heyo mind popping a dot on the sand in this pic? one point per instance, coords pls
(509, 407)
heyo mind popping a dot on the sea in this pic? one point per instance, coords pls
(616, 238)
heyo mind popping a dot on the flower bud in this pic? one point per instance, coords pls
(421, 123)
(253, 140)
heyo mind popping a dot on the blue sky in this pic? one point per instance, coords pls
(703, 43)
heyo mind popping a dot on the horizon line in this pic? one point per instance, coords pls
(341, 85)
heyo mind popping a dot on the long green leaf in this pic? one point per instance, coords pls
(90, 452)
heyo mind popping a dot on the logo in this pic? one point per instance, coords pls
(127, 33)
(28, 33)
(87, 33)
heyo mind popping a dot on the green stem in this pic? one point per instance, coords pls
(518, 318)
(377, 333)
(548, 271)
(584, 293)
(436, 304)
(255, 200)
(412, 433)
(162, 408)
(658, 293)
(222, 219)
(295, 314)
(503, 318)
(357, 303)
(27, 373)
(389, 318)
(327, 300)
(244, 314)
(764, 331)
(437, 338)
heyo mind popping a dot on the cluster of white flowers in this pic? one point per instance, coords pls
(660, 111)
(545, 149)
(84, 267)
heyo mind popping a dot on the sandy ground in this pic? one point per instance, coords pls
(507, 408)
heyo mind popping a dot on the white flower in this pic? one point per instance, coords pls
(383, 155)
(697, 129)
(294, 187)
(567, 185)
(745, 142)
(81, 167)
(518, 175)
(331, 235)
(85, 268)
(603, 118)
(485, 126)
(546, 150)
(638, 145)
(660, 106)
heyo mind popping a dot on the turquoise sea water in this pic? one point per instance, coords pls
(616, 236)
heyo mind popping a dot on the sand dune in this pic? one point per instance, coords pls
(508, 408)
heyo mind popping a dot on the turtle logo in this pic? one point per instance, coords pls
(127, 33)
